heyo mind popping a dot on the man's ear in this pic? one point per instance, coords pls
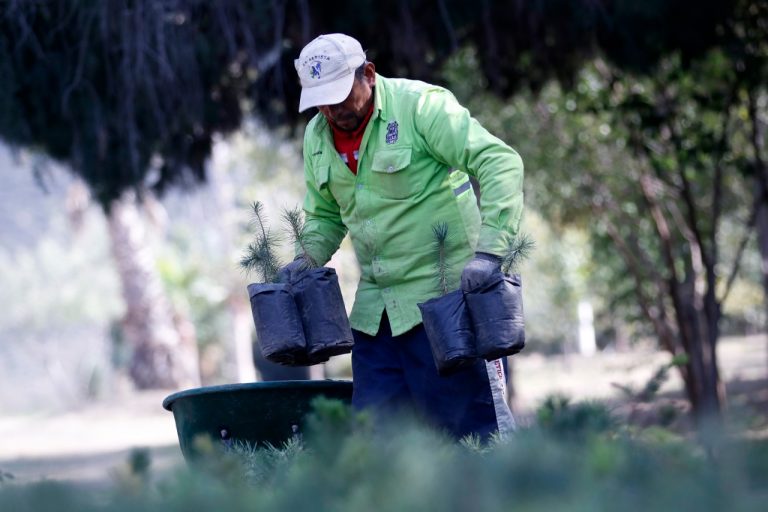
(369, 73)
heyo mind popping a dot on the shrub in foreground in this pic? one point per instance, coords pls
(348, 462)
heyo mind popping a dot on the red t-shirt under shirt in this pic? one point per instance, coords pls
(348, 143)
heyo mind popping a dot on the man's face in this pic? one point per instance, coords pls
(350, 113)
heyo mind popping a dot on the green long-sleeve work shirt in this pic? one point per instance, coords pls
(417, 150)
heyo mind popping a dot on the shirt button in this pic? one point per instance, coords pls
(391, 168)
(359, 186)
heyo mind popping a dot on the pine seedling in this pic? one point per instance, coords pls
(294, 217)
(440, 251)
(263, 462)
(650, 390)
(519, 248)
(260, 255)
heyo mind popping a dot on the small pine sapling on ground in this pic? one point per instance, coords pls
(260, 256)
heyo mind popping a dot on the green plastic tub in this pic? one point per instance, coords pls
(258, 412)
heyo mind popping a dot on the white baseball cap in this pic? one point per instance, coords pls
(326, 68)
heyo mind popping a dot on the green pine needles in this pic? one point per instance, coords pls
(519, 248)
(440, 251)
(260, 255)
(294, 217)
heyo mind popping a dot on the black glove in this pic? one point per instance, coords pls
(290, 272)
(479, 270)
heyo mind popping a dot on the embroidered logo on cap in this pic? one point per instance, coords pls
(314, 70)
(391, 137)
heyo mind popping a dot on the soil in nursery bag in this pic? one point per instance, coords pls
(321, 308)
(496, 310)
(449, 330)
(278, 324)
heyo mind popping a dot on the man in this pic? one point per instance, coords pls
(384, 160)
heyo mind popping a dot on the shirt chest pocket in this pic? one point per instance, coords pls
(322, 173)
(339, 185)
(391, 175)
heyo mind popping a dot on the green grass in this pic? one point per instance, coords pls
(577, 458)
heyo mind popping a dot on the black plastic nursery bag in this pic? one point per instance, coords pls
(449, 330)
(278, 325)
(496, 310)
(321, 307)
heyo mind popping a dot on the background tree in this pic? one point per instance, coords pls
(692, 131)
(663, 210)
(652, 165)
(128, 94)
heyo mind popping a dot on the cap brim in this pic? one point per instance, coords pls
(329, 93)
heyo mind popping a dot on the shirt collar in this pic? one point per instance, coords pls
(380, 102)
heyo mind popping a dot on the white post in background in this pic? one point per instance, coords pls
(587, 342)
(242, 336)
(317, 372)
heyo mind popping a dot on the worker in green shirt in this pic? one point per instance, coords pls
(384, 160)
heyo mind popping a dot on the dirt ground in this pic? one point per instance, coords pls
(88, 445)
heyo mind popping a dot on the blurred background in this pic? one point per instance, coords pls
(136, 133)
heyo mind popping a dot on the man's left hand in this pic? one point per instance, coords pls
(479, 270)
(290, 272)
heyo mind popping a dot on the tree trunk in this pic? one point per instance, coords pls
(715, 395)
(761, 224)
(698, 320)
(162, 357)
(757, 104)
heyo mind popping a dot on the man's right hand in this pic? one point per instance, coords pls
(479, 270)
(290, 272)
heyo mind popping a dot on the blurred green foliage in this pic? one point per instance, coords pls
(564, 419)
(578, 459)
(655, 169)
(580, 147)
(5, 476)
